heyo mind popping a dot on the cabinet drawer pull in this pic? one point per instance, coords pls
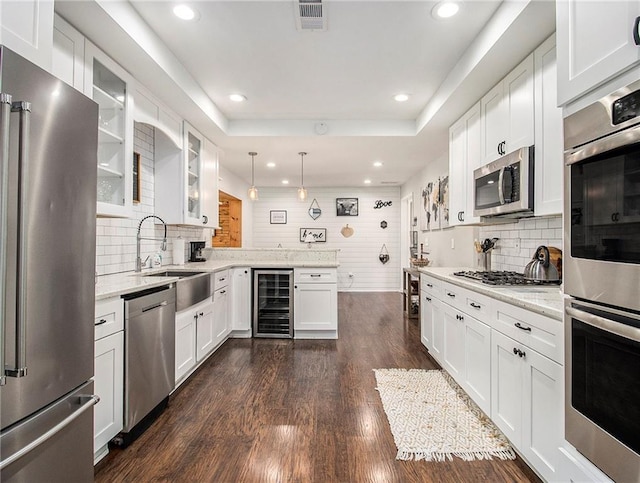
(429, 285)
(315, 275)
(522, 327)
(101, 321)
(636, 34)
(222, 291)
(475, 306)
(452, 295)
(201, 314)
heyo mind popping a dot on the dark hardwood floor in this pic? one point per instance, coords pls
(270, 410)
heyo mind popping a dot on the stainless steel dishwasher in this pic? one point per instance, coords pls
(149, 364)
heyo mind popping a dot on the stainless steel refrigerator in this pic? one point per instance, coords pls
(48, 141)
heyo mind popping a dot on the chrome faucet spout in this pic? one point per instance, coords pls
(163, 247)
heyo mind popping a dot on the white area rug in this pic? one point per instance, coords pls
(433, 419)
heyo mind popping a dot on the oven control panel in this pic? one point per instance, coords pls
(626, 108)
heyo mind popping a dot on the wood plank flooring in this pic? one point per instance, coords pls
(269, 410)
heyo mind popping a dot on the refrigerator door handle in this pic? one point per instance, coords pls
(5, 112)
(20, 364)
(86, 401)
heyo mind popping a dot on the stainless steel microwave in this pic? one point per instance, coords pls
(505, 186)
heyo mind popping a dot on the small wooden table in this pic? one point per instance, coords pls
(411, 293)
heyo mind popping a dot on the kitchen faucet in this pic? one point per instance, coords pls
(163, 247)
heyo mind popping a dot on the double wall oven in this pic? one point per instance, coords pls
(602, 276)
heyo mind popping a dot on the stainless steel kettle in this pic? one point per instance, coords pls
(540, 269)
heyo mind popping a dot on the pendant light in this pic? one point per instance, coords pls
(253, 191)
(302, 192)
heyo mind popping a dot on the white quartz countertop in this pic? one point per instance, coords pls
(129, 282)
(543, 299)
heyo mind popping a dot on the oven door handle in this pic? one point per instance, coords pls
(622, 330)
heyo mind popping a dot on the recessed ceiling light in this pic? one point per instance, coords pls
(120, 98)
(367, 181)
(445, 9)
(271, 165)
(184, 12)
(377, 164)
(285, 181)
(401, 97)
(237, 97)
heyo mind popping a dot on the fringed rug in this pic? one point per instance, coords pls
(433, 419)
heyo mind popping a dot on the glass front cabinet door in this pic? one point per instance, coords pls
(111, 87)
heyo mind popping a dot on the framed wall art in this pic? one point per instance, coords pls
(313, 235)
(347, 206)
(278, 217)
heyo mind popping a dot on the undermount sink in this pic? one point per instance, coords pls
(191, 288)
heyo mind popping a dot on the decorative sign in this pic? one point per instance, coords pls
(347, 206)
(278, 217)
(318, 235)
(314, 210)
(383, 224)
(381, 204)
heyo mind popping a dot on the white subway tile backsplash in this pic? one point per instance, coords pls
(519, 240)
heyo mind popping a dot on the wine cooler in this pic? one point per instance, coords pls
(273, 303)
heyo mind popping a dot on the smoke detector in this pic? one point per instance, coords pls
(311, 15)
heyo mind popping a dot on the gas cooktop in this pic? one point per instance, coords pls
(502, 278)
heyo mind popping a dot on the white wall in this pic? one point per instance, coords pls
(438, 241)
(116, 237)
(358, 253)
(234, 186)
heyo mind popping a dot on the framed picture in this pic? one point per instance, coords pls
(347, 206)
(278, 217)
(313, 235)
(414, 239)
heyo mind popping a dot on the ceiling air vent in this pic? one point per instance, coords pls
(310, 15)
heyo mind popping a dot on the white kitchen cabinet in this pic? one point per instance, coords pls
(467, 354)
(26, 27)
(527, 398)
(464, 157)
(149, 110)
(108, 373)
(548, 133)
(68, 53)
(315, 302)
(507, 113)
(221, 327)
(437, 317)
(205, 329)
(112, 88)
(426, 320)
(595, 43)
(186, 185)
(431, 317)
(575, 468)
(240, 306)
(185, 343)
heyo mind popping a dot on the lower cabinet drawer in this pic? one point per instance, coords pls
(315, 275)
(109, 317)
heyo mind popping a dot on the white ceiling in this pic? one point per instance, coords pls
(344, 77)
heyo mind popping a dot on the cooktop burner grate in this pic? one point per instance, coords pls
(501, 278)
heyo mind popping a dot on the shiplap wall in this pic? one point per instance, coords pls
(116, 237)
(358, 253)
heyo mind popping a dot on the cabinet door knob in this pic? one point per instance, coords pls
(636, 34)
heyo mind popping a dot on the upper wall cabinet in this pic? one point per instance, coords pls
(68, 53)
(548, 133)
(112, 88)
(464, 157)
(26, 27)
(186, 181)
(150, 110)
(507, 113)
(596, 41)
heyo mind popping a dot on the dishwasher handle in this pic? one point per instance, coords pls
(164, 303)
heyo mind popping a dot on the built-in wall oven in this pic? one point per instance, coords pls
(602, 276)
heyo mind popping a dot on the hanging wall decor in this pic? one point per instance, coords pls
(346, 231)
(381, 204)
(314, 210)
(384, 254)
(383, 224)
